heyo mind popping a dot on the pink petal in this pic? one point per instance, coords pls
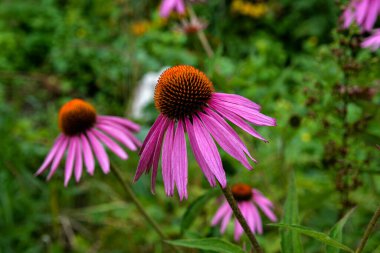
(247, 214)
(257, 218)
(120, 121)
(113, 146)
(226, 219)
(167, 163)
(361, 11)
(70, 159)
(236, 99)
(166, 7)
(179, 160)
(209, 152)
(99, 151)
(152, 130)
(58, 156)
(78, 160)
(225, 139)
(87, 153)
(238, 230)
(197, 154)
(234, 118)
(118, 135)
(220, 213)
(50, 156)
(180, 6)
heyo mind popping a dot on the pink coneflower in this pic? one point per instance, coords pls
(83, 132)
(187, 102)
(373, 41)
(248, 199)
(168, 6)
(363, 12)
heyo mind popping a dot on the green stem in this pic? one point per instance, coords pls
(368, 230)
(128, 189)
(231, 201)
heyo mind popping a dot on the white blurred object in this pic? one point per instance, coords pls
(144, 92)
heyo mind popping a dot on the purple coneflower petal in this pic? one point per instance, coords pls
(235, 99)
(361, 11)
(71, 151)
(167, 166)
(259, 197)
(225, 139)
(121, 121)
(225, 220)
(180, 6)
(78, 160)
(220, 213)
(87, 153)
(100, 152)
(179, 160)
(257, 218)
(166, 7)
(118, 135)
(156, 124)
(113, 146)
(157, 153)
(371, 15)
(234, 118)
(238, 230)
(209, 151)
(248, 215)
(50, 156)
(58, 156)
(197, 154)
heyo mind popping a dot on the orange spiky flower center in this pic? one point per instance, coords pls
(76, 116)
(182, 91)
(241, 192)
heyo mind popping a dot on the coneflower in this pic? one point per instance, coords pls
(83, 135)
(187, 102)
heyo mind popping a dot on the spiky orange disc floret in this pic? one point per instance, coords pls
(76, 116)
(182, 91)
(241, 192)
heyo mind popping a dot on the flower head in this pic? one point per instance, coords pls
(248, 199)
(188, 103)
(83, 132)
(363, 12)
(373, 41)
(167, 6)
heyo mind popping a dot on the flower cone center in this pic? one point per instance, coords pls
(241, 192)
(182, 91)
(76, 116)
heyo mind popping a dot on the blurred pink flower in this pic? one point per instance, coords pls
(373, 41)
(363, 12)
(248, 199)
(167, 6)
(83, 132)
(187, 102)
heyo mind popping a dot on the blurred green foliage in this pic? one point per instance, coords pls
(294, 61)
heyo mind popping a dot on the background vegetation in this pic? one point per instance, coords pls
(293, 59)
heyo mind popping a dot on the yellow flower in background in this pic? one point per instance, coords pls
(140, 27)
(254, 10)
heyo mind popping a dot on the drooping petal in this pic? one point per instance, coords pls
(118, 120)
(179, 160)
(166, 7)
(238, 230)
(361, 11)
(257, 218)
(100, 152)
(58, 156)
(118, 135)
(234, 118)
(198, 155)
(209, 151)
(372, 14)
(50, 156)
(226, 219)
(225, 139)
(220, 213)
(167, 163)
(70, 159)
(247, 214)
(235, 99)
(78, 160)
(113, 146)
(87, 153)
(180, 6)
(249, 114)
(152, 131)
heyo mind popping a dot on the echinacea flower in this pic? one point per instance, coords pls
(373, 41)
(363, 12)
(83, 132)
(168, 6)
(187, 102)
(248, 199)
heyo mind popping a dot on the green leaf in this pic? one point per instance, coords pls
(290, 240)
(195, 208)
(324, 238)
(337, 231)
(213, 244)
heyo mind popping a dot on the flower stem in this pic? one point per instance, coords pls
(201, 35)
(368, 230)
(231, 201)
(128, 189)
